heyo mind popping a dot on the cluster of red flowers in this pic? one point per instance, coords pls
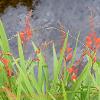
(92, 41)
(69, 52)
(6, 62)
(26, 35)
(93, 45)
(73, 72)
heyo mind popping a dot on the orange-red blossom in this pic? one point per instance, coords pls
(26, 35)
(73, 71)
(6, 62)
(93, 44)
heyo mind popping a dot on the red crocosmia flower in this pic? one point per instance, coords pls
(98, 40)
(69, 50)
(5, 61)
(73, 71)
(97, 43)
(29, 34)
(9, 72)
(88, 38)
(88, 42)
(74, 77)
(70, 70)
(93, 43)
(22, 37)
(69, 57)
(28, 30)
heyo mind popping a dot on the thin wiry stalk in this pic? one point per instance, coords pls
(48, 28)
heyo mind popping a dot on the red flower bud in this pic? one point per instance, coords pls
(73, 77)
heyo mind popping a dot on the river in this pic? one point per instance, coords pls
(72, 14)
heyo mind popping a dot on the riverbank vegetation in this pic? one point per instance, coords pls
(19, 82)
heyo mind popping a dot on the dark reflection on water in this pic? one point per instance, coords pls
(29, 3)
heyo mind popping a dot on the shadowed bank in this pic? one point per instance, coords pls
(5, 3)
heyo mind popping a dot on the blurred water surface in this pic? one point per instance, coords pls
(72, 14)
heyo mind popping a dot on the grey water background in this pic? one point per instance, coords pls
(73, 14)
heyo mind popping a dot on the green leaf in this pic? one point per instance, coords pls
(19, 89)
(96, 80)
(55, 65)
(21, 55)
(64, 92)
(3, 39)
(62, 54)
(42, 68)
